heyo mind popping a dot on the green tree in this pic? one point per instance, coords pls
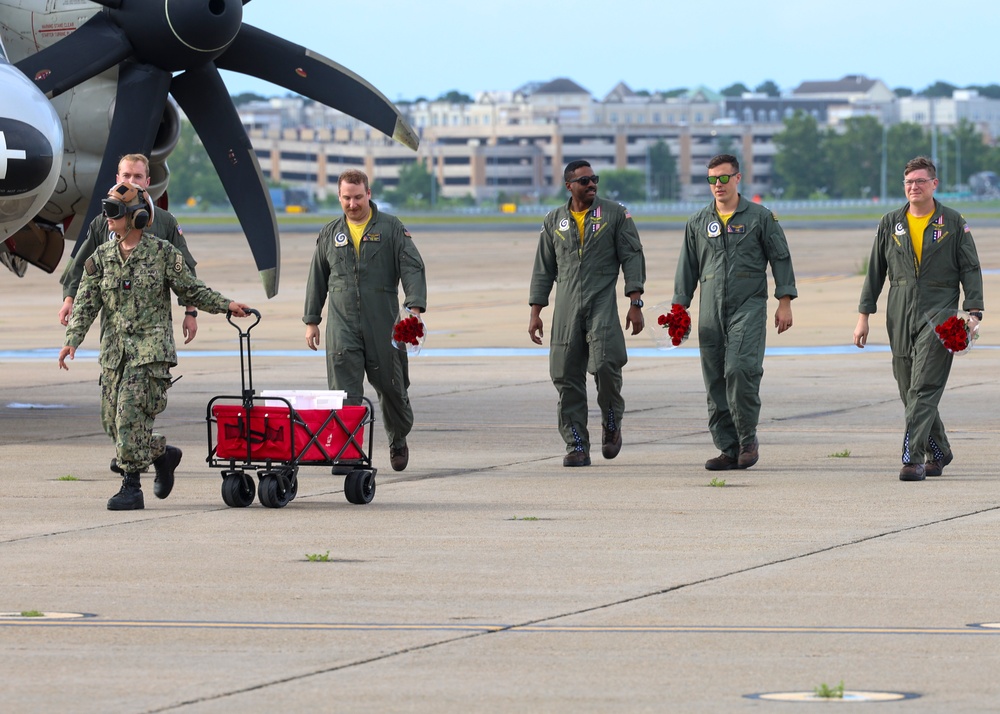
(939, 89)
(735, 90)
(990, 91)
(192, 174)
(415, 188)
(662, 173)
(623, 185)
(903, 92)
(670, 93)
(800, 165)
(903, 142)
(769, 88)
(455, 97)
(855, 157)
(246, 98)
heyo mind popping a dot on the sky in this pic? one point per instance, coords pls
(425, 48)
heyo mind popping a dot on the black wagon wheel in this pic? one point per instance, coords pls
(270, 492)
(292, 475)
(359, 486)
(237, 490)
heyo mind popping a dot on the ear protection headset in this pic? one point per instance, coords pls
(126, 199)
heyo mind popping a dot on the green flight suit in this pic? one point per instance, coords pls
(730, 264)
(586, 335)
(363, 296)
(137, 344)
(918, 295)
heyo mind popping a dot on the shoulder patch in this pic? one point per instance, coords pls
(774, 216)
(90, 266)
(178, 262)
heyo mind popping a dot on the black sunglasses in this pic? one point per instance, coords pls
(586, 180)
(113, 209)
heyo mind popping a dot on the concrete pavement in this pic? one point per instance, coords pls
(487, 577)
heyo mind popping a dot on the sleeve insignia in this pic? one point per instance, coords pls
(90, 266)
(179, 263)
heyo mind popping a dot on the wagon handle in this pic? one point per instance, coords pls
(252, 311)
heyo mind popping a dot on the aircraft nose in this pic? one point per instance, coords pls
(25, 157)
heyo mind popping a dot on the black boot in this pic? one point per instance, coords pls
(165, 465)
(129, 498)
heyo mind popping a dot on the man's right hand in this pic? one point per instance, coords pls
(65, 310)
(861, 331)
(312, 337)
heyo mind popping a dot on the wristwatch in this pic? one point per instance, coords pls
(638, 303)
(191, 313)
(978, 314)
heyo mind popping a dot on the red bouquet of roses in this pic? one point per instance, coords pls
(956, 331)
(408, 332)
(677, 323)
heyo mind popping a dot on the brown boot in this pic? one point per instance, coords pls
(399, 457)
(722, 462)
(749, 455)
(576, 458)
(611, 444)
(936, 467)
(912, 472)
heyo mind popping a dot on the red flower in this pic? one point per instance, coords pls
(408, 331)
(954, 334)
(677, 322)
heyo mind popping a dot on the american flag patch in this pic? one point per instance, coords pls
(965, 228)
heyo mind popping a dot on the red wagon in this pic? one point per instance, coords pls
(267, 434)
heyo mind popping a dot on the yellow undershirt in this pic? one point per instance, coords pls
(724, 217)
(357, 231)
(580, 217)
(917, 227)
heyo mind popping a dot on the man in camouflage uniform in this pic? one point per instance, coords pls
(130, 278)
(726, 250)
(360, 260)
(583, 245)
(132, 168)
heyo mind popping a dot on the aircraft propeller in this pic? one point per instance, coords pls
(150, 41)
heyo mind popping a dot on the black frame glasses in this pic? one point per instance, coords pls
(723, 179)
(586, 180)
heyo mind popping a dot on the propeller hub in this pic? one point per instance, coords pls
(176, 35)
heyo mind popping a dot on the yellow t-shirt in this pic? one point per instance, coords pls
(357, 231)
(917, 227)
(724, 217)
(580, 217)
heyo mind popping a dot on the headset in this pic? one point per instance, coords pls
(126, 199)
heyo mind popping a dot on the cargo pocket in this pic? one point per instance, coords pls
(159, 383)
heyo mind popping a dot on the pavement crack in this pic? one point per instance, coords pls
(487, 631)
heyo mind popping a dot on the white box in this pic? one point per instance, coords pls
(306, 398)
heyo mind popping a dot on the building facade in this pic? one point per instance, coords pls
(515, 144)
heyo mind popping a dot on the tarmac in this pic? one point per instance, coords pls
(486, 577)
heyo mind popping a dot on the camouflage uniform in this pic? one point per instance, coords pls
(164, 226)
(362, 296)
(137, 346)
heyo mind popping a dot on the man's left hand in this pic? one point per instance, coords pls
(783, 315)
(189, 327)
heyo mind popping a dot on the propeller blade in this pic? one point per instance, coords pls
(276, 60)
(141, 97)
(205, 100)
(96, 45)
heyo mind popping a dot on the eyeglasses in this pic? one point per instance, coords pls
(724, 178)
(113, 209)
(916, 182)
(586, 180)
